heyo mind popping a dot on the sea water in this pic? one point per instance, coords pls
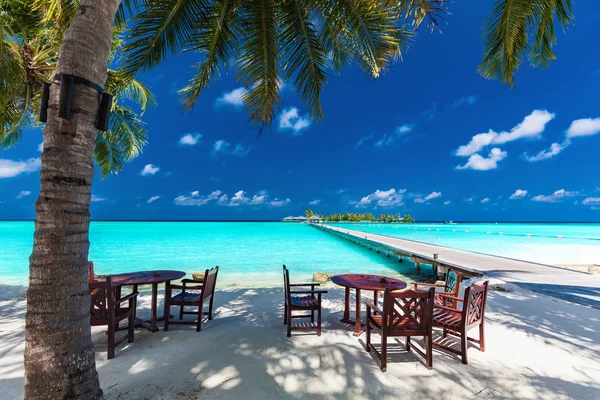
(248, 253)
(252, 253)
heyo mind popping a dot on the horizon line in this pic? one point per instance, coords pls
(279, 220)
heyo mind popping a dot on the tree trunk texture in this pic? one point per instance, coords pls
(59, 355)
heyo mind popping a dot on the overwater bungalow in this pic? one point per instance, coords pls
(313, 219)
(294, 219)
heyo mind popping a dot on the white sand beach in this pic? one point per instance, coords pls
(537, 347)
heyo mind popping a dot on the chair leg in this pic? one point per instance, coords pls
(289, 322)
(181, 312)
(408, 343)
(383, 353)
(210, 306)
(111, 343)
(130, 331)
(312, 316)
(368, 339)
(481, 337)
(444, 332)
(285, 312)
(199, 322)
(463, 346)
(167, 311)
(318, 321)
(429, 350)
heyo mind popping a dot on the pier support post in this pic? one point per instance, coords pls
(378, 250)
(417, 266)
(400, 259)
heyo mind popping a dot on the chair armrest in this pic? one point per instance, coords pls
(415, 284)
(305, 284)
(186, 287)
(126, 298)
(373, 306)
(454, 310)
(318, 291)
(448, 296)
(191, 281)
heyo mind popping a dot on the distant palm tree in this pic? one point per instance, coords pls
(267, 42)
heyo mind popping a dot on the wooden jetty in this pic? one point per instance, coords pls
(560, 282)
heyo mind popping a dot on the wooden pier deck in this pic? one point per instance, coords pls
(579, 287)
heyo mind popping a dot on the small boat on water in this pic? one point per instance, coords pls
(449, 222)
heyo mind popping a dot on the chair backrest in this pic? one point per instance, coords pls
(102, 301)
(474, 304)
(453, 281)
(91, 274)
(210, 281)
(409, 310)
(286, 284)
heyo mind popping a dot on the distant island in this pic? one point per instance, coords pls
(358, 217)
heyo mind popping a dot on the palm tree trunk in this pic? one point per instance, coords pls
(59, 355)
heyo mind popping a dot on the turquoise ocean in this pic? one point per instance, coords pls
(252, 253)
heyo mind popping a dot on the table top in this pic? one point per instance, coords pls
(145, 277)
(367, 282)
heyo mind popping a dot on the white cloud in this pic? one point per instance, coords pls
(314, 202)
(150, 169)
(382, 198)
(554, 149)
(223, 146)
(479, 163)
(340, 191)
(584, 127)
(362, 141)
(291, 119)
(194, 199)
(41, 147)
(97, 198)
(465, 100)
(234, 98)
(591, 201)
(23, 193)
(390, 138)
(447, 202)
(531, 127)
(469, 199)
(518, 194)
(258, 199)
(152, 199)
(10, 168)
(190, 139)
(429, 115)
(279, 202)
(486, 200)
(238, 199)
(430, 196)
(554, 197)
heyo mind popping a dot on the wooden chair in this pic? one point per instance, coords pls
(459, 322)
(451, 288)
(202, 292)
(106, 309)
(310, 300)
(91, 274)
(406, 313)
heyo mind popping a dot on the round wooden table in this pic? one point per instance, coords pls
(363, 282)
(153, 278)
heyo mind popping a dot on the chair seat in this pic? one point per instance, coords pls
(187, 297)
(304, 302)
(400, 324)
(442, 301)
(446, 318)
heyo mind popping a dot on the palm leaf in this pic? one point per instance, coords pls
(304, 57)
(507, 35)
(162, 27)
(124, 87)
(257, 63)
(108, 154)
(217, 37)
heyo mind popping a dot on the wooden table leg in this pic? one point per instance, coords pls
(375, 298)
(346, 318)
(154, 306)
(358, 329)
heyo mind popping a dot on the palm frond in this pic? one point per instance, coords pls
(257, 62)
(304, 56)
(217, 36)
(162, 27)
(421, 12)
(124, 87)
(127, 131)
(107, 154)
(507, 32)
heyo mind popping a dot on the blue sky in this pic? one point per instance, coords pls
(431, 138)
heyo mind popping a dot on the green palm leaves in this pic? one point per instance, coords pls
(31, 37)
(508, 31)
(268, 42)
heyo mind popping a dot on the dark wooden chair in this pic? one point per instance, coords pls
(451, 288)
(459, 322)
(106, 309)
(191, 296)
(405, 313)
(301, 300)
